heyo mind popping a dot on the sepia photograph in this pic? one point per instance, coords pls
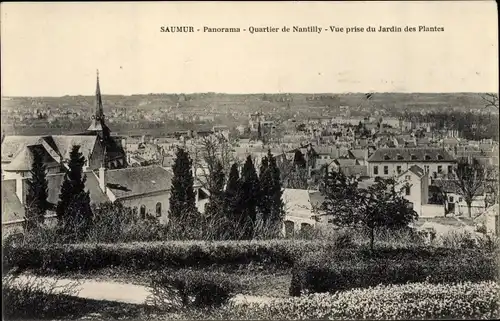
(250, 160)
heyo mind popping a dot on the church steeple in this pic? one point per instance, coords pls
(99, 112)
(98, 117)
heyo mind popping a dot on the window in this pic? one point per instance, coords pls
(143, 211)
(386, 157)
(134, 211)
(440, 157)
(427, 157)
(426, 168)
(450, 169)
(452, 199)
(386, 170)
(440, 169)
(408, 190)
(400, 157)
(375, 170)
(398, 168)
(158, 209)
(413, 157)
(407, 177)
(460, 199)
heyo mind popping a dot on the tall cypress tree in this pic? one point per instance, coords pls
(36, 198)
(275, 192)
(249, 196)
(183, 212)
(232, 199)
(73, 210)
(265, 182)
(214, 209)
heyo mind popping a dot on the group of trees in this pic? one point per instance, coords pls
(74, 214)
(238, 207)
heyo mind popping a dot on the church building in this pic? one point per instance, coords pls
(97, 145)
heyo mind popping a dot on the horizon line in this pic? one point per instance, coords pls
(258, 93)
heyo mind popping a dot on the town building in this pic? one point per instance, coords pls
(391, 162)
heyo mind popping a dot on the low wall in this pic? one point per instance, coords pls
(432, 210)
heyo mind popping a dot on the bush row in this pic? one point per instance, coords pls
(345, 269)
(393, 302)
(156, 255)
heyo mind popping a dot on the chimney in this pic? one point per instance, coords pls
(20, 189)
(102, 178)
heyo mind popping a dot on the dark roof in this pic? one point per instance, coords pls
(355, 170)
(346, 162)
(358, 153)
(135, 181)
(12, 209)
(91, 184)
(417, 170)
(411, 155)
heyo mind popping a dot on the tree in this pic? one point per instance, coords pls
(249, 197)
(470, 177)
(491, 100)
(36, 198)
(275, 195)
(232, 199)
(379, 205)
(183, 213)
(214, 209)
(73, 209)
(383, 206)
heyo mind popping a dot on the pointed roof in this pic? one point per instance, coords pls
(98, 118)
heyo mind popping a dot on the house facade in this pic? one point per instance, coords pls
(391, 162)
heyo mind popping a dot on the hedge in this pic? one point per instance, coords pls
(411, 301)
(348, 269)
(157, 255)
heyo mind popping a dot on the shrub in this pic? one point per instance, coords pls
(192, 289)
(347, 269)
(157, 255)
(32, 297)
(390, 302)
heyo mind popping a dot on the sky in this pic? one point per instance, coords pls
(54, 49)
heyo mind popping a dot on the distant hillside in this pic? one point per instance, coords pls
(250, 101)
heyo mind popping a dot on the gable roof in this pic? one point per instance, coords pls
(411, 155)
(24, 159)
(12, 145)
(358, 153)
(135, 181)
(417, 170)
(342, 162)
(64, 144)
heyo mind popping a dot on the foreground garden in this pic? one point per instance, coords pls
(336, 278)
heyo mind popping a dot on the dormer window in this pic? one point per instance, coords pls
(386, 157)
(400, 157)
(427, 157)
(440, 157)
(413, 157)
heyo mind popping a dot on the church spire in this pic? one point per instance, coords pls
(97, 124)
(99, 112)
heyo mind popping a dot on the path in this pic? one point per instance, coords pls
(123, 292)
